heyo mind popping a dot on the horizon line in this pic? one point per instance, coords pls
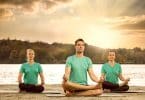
(34, 41)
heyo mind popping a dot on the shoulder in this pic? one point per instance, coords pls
(36, 63)
(70, 57)
(87, 58)
(24, 64)
(117, 64)
(105, 64)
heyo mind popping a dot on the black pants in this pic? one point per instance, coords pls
(114, 87)
(31, 88)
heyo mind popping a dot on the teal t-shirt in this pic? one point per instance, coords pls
(31, 72)
(79, 67)
(111, 73)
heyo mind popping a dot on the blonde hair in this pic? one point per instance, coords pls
(30, 50)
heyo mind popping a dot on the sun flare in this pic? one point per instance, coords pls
(104, 36)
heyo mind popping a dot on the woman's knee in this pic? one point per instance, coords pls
(126, 88)
(40, 88)
(22, 86)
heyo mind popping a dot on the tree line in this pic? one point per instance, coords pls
(14, 52)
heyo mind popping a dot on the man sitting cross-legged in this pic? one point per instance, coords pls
(75, 77)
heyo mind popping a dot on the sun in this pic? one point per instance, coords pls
(104, 37)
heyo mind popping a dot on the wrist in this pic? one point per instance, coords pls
(42, 82)
(19, 81)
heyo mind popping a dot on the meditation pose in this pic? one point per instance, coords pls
(30, 70)
(75, 77)
(112, 72)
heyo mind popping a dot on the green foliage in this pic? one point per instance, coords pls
(14, 52)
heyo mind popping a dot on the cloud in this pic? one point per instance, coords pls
(18, 3)
(132, 23)
(134, 26)
(136, 8)
(109, 8)
(26, 6)
(5, 14)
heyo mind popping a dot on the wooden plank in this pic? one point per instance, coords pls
(15, 91)
(9, 91)
(139, 91)
(103, 95)
(55, 95)
(52, 92)
(112, 95)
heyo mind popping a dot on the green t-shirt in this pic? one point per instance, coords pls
(31, 72)
(111, 73)
(79, 67)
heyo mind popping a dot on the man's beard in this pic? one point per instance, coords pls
(79, 52)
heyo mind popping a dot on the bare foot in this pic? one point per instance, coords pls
(69, 93)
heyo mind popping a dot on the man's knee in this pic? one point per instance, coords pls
(99, 92)
(65, 84)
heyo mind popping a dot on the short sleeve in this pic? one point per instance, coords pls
(89, 63)
(22, 69)
(103, 69)
(39, 68)
(120, 69)
(68, 62)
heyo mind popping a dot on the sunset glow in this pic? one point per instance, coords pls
(102, 23)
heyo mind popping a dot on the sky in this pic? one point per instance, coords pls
(102, 23)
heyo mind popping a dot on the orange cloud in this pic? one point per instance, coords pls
(9, 7)
(132, 23)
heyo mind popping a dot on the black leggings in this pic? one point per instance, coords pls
(31, 88)
(114, 87)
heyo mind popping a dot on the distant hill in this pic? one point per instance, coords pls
(13, 52)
